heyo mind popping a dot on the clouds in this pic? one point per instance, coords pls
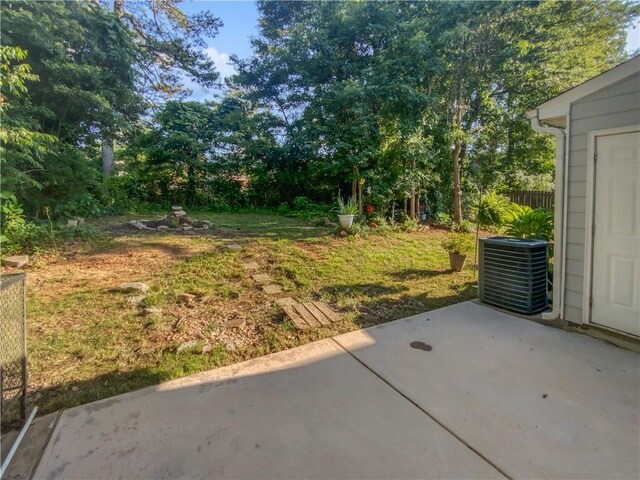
(221, 61)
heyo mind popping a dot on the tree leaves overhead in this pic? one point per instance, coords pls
(171, 45)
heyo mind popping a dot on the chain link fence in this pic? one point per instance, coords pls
(13, 349)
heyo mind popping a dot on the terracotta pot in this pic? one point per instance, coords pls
(345, 221)
(457, 261)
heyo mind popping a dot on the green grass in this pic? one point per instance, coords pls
(87, 342)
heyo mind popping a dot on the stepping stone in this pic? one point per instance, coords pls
(233, 246)
(250, 266)
(136, 300)
(16, 261)
(262, 277)
(285, 301)
(133, 287)
(297, 320)
(235, 323)
(271, 289)
(310, 314)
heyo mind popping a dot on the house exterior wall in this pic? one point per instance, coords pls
(615, 106)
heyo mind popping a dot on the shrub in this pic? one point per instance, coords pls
(459, 243)
(491, 210)
(533, 224)
(84, 205)
(514, 211)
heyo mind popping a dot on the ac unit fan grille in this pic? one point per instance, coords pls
(513, 274)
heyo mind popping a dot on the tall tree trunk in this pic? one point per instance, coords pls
(456, 157)
(107, 143)
(354, 183)
(107, 157)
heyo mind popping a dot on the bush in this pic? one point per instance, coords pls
(533, 224)
(514, 211)
(84, 205)
(491, 210)
(459, 243)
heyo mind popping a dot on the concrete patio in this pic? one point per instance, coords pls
(460, 392)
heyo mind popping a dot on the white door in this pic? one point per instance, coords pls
(616, 239)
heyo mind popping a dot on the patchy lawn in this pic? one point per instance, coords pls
(87, 341)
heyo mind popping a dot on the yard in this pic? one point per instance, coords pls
(87, 340)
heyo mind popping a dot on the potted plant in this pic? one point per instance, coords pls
(346, 212)
(458, 245)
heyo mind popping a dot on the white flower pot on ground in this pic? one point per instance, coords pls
(345, 221)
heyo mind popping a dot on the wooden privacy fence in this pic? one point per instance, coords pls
(532, 198)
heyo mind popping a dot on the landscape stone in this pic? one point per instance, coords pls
(187, 298)
(234, 294)
(72, 223)
(271, 289)
(250, 266)
(136, 300)
(133, 287)
(163, 228)
(187, 227)
(235, 323)
(16, 261)
(176, 208)
(133, 222)
(180, 213)
(262, 277)
(80, 221)
(234, 246)
(186, 345)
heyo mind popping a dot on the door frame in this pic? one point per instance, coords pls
(589, 231)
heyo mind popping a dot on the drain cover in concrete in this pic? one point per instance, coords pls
(271, 289)
(262, 277)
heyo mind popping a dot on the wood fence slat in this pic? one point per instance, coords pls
(532, 198)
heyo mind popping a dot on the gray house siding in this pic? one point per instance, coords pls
(615, 106)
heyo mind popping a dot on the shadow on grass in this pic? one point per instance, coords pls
(382, 304)
(418, 273)
(173, 365)
(377, 304)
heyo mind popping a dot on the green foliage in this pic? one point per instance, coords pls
(514, 211)
(459, 243)
(85, 205)
(346, 208)
(533, 224)
(492, 209)
(19, 235)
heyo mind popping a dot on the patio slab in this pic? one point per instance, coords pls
(310, 412)
(537, 401)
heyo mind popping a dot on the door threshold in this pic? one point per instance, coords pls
(619, 339)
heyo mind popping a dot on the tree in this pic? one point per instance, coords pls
(83, 58)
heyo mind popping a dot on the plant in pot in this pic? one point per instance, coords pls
(458, 245)
(346, 212)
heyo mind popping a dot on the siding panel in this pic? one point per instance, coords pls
(572, 314)
(615, 106)
(607, 106)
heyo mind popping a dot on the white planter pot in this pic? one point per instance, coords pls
(345, 221)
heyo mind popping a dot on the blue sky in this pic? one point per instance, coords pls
(240, 19)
